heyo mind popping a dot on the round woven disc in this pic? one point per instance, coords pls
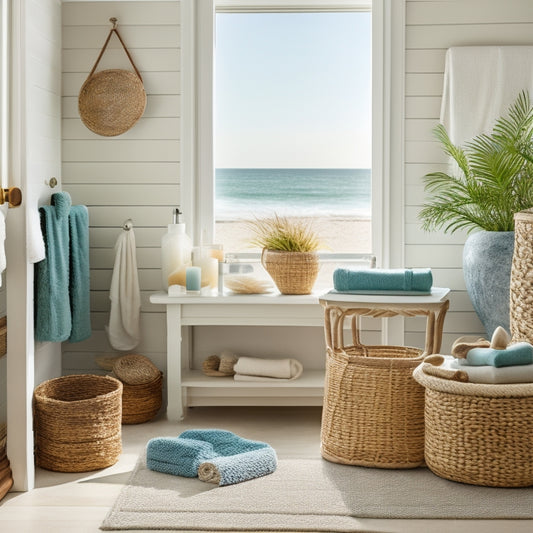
(135, 369)
(111, 101)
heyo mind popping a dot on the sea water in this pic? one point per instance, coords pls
(244, 193)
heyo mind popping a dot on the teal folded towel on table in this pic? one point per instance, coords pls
(369, 280)
(53, 320)
(79, 285)
(215, 455)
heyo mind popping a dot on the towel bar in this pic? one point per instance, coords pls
(13, 196)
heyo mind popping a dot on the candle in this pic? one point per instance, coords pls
(193, 277)
(216, 251)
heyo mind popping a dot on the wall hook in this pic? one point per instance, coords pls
(114, 21)
(127, 225)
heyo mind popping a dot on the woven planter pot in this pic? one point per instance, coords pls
(478, 434)
(141, 402)
(521, 295)
(292, 272)
(77, 423)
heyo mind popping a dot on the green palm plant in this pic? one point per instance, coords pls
(495, 178)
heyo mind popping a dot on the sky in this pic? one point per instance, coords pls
(293, 90)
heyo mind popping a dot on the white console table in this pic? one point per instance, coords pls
(192, 388)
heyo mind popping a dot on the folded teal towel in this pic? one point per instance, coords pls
(373, 279)
(53, 320)
(80, 304)
(520, 353)
(237, 459)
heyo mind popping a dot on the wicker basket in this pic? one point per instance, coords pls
(373, 412)
(77, 423)
(521, 294)
(3, 336)
(141, 402)
(477, 433)
(292, 272)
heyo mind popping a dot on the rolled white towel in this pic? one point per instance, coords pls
(247, 368)
(492, 374)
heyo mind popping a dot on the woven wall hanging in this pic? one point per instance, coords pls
(112, 101)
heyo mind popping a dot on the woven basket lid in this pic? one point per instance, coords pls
(135, 369)
(111, 101)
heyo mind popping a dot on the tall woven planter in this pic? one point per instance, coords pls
(77, 423)
(478, 433)
(292, 272)
(521, 294)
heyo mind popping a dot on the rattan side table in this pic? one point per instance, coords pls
(373, 412)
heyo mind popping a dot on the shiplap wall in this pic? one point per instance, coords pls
(432, 26)
(134, 175)
(137, 174)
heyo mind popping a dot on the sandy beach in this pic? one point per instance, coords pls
(336, 234)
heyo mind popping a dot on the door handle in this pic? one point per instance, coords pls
(13, 196)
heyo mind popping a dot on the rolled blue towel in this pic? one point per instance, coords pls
(177, 456)
(220, 455)
(377, 280)
(520, 353)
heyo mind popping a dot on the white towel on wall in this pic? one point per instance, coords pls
(35, 248)
(3, 214)
(124, 318)
(480, 83)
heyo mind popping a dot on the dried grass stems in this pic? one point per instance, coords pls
(284, 234)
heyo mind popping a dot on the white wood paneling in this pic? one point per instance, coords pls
(431, 28)
(134, 175)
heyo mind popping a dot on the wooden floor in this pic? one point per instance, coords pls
(77, 503)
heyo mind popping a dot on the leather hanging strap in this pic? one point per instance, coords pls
(111, 31)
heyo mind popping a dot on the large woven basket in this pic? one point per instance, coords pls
(521, 294)
(141, 402)
(373, 412)
(77, 423)
(477, 433)
(292, 272)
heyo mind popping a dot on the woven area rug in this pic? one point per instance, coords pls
(305, 495)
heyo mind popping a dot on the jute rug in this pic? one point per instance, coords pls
(306, 495)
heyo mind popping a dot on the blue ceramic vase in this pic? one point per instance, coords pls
(487, 259)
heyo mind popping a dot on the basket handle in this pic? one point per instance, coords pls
(111, 31)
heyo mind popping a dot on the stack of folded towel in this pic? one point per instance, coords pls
(259, 369)
(481, 361)
(383, 281)
(214, 455)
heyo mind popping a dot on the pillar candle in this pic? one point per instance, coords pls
(193, 278)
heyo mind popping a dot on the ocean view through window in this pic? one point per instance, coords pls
(293, 124)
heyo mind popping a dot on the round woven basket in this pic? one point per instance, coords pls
(111, 101)
(77, 423)
(373, 412)
(141, 402)
(521, 294)
(135, 369)
(292, 272)
(477, 433)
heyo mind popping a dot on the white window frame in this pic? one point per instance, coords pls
(197, 139)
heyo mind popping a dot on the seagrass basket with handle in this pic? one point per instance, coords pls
(112, 101)
(373, 413)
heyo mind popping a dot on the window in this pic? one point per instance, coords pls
(197, 186)
(293, 123)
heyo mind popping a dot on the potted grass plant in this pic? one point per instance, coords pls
(493, 180)
(289, 252)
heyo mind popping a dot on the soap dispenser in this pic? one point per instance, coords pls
(176, 252)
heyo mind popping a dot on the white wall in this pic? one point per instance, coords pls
(134, 175)
(137, 174)
(431, 28)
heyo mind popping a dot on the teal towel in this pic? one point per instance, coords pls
(368, 280)
(53, 320)
(80, 304)
(237, 459)
(520, 353)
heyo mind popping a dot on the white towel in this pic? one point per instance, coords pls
(3, 213)
(259, 369)
(480, 83)
(35, 249)
(492, 374)
(124, 319)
